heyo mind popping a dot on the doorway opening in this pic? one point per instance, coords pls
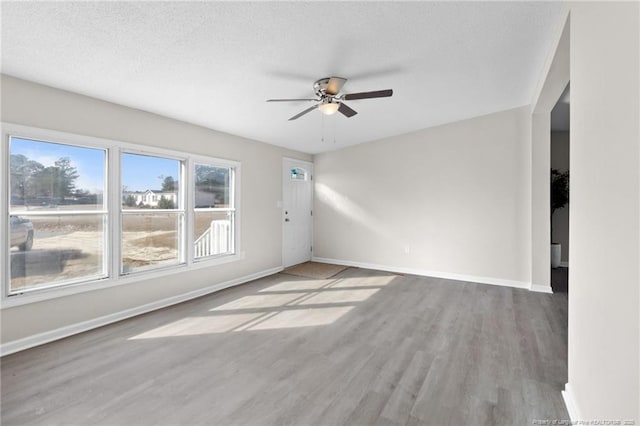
(559, 193)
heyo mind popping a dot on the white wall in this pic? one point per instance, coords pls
(552, 83)
(540, 200)
(261, 232)
(604, 276)
(560, 161)
(456, 196)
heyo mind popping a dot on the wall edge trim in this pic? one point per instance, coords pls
(570, 402)
(541, 288)
(427, 273)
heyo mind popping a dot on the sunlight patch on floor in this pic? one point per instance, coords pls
(301, 318)
(339, 296)
(303, 284)
(260, 301)
(194, 326)
(363, 282)
(302, 303)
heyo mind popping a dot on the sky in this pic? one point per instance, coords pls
(139, 172)
(142, 172)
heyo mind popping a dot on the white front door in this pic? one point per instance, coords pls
(296, 211)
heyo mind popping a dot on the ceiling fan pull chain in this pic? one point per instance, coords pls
(334, 131)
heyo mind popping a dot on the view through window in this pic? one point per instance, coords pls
(152, 214)
(60, 208)
(57, 214)
(214, 211)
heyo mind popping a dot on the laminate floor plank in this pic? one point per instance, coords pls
(398, 407)
(363, 347)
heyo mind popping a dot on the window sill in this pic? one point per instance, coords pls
(35, 296)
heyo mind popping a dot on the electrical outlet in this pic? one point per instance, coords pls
(407, 249)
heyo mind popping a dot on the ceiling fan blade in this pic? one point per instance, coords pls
(290, 100)
(345, 110)
(335, 85)
(368, 95)
(295, 117)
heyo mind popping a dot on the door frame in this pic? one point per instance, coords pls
(282, 183)
(550, 88)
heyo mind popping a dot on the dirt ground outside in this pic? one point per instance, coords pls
(68, 247)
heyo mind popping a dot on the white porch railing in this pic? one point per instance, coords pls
(215, 240)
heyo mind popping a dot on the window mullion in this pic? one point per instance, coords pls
(232, 197)
(149, 211)
(189, 216)
(4, 215)
(114, 207)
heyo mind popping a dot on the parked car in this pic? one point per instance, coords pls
(21, 233)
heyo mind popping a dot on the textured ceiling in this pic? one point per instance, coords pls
(215, 63)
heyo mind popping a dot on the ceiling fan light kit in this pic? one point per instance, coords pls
(328, 107)
(331, 101)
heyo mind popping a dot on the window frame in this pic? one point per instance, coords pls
(181, 209)
(233, 184)
(112, 206)
(103, 212)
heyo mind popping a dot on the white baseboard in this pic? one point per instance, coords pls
(539, 288)
(570, 402)
(66, 331)
(425, 273)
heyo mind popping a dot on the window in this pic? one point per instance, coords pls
(298, 174)
(83, 213)
(57, 214)
(151, 229)
(214, 212)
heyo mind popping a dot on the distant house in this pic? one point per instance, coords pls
(149, 198)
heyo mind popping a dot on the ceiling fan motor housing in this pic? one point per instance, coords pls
(320, 87)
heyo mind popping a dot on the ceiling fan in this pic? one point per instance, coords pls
(330, 100)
